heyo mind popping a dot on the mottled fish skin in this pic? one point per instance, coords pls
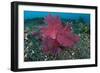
(55, 35)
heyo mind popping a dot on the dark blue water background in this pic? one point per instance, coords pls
(35, 14)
